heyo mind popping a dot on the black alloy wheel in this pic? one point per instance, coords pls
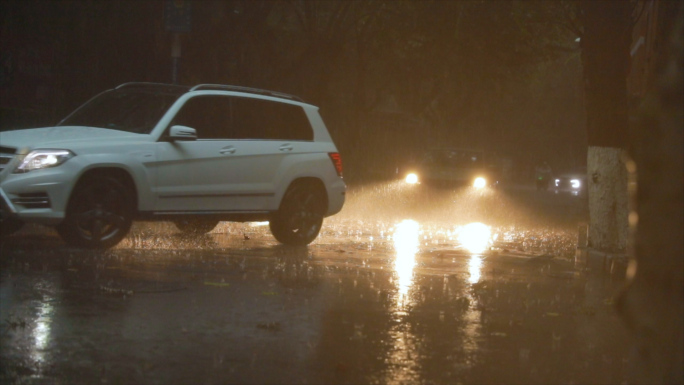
(99, 213)
(300, 217)
(195, 226)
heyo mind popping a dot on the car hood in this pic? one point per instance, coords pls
(62, 136)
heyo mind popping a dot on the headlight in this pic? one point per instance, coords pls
(40, 159)
(557, 182)
(411, 178)
(479, 182)
(575, 183)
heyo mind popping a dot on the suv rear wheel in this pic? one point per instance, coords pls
(300, 216)
(195, 225)
(99, 213)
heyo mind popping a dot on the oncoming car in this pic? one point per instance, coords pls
(453, 167)
(190, 155)
(573, 183)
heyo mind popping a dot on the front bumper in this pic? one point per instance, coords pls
(35, 197)
(7, 209)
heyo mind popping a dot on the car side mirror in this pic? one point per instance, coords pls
(179, 132)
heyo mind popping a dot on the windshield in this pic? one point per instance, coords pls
(454, 158)
(135, 111)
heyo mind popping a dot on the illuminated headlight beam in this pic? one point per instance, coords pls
(411, 178)
(475, 237)
(41, 159)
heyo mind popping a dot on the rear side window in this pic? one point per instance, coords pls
(264, 119)
(227, 117)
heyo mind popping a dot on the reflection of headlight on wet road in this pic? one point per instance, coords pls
(411, 178)
(406, 244)
(475, 237)
(479, 182)
(475, 268)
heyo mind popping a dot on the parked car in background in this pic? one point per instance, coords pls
(454, 167)
(191, 155)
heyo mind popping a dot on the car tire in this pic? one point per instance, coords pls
(300, 216)
(195, 226)
(9, 226)
(99, 213)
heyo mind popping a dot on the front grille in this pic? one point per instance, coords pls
(39, 200)
(6, 156)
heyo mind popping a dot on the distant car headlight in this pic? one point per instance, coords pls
(411, 178)
(557, 182)
(575, 183)
(40, 159)
(479, 182)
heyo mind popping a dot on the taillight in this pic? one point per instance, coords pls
(337, 162)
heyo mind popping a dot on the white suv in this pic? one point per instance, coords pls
(193, 156)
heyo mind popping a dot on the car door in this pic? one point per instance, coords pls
(233, 165)
(202, 175)
(271, 132)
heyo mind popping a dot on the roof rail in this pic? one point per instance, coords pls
(246, 89)
(150, 84)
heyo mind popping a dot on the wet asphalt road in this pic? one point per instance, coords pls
(392, 292)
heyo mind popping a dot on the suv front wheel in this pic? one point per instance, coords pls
(300, 216)
(9, 226)
(99, 214)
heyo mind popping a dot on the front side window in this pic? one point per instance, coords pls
(210, 116)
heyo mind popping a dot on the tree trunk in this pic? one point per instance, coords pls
(605, 58)
(653, 302)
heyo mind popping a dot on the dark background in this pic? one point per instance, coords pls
(392, 78)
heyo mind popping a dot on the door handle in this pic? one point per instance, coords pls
(227, 150)
(286, 147)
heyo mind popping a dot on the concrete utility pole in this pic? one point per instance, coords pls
(178, 18)
(605, 47)
(175, 56)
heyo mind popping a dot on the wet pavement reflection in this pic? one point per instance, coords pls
(392, 292)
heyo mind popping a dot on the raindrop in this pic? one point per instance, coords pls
(556, 341)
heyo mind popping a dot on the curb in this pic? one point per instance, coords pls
(600, 261)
